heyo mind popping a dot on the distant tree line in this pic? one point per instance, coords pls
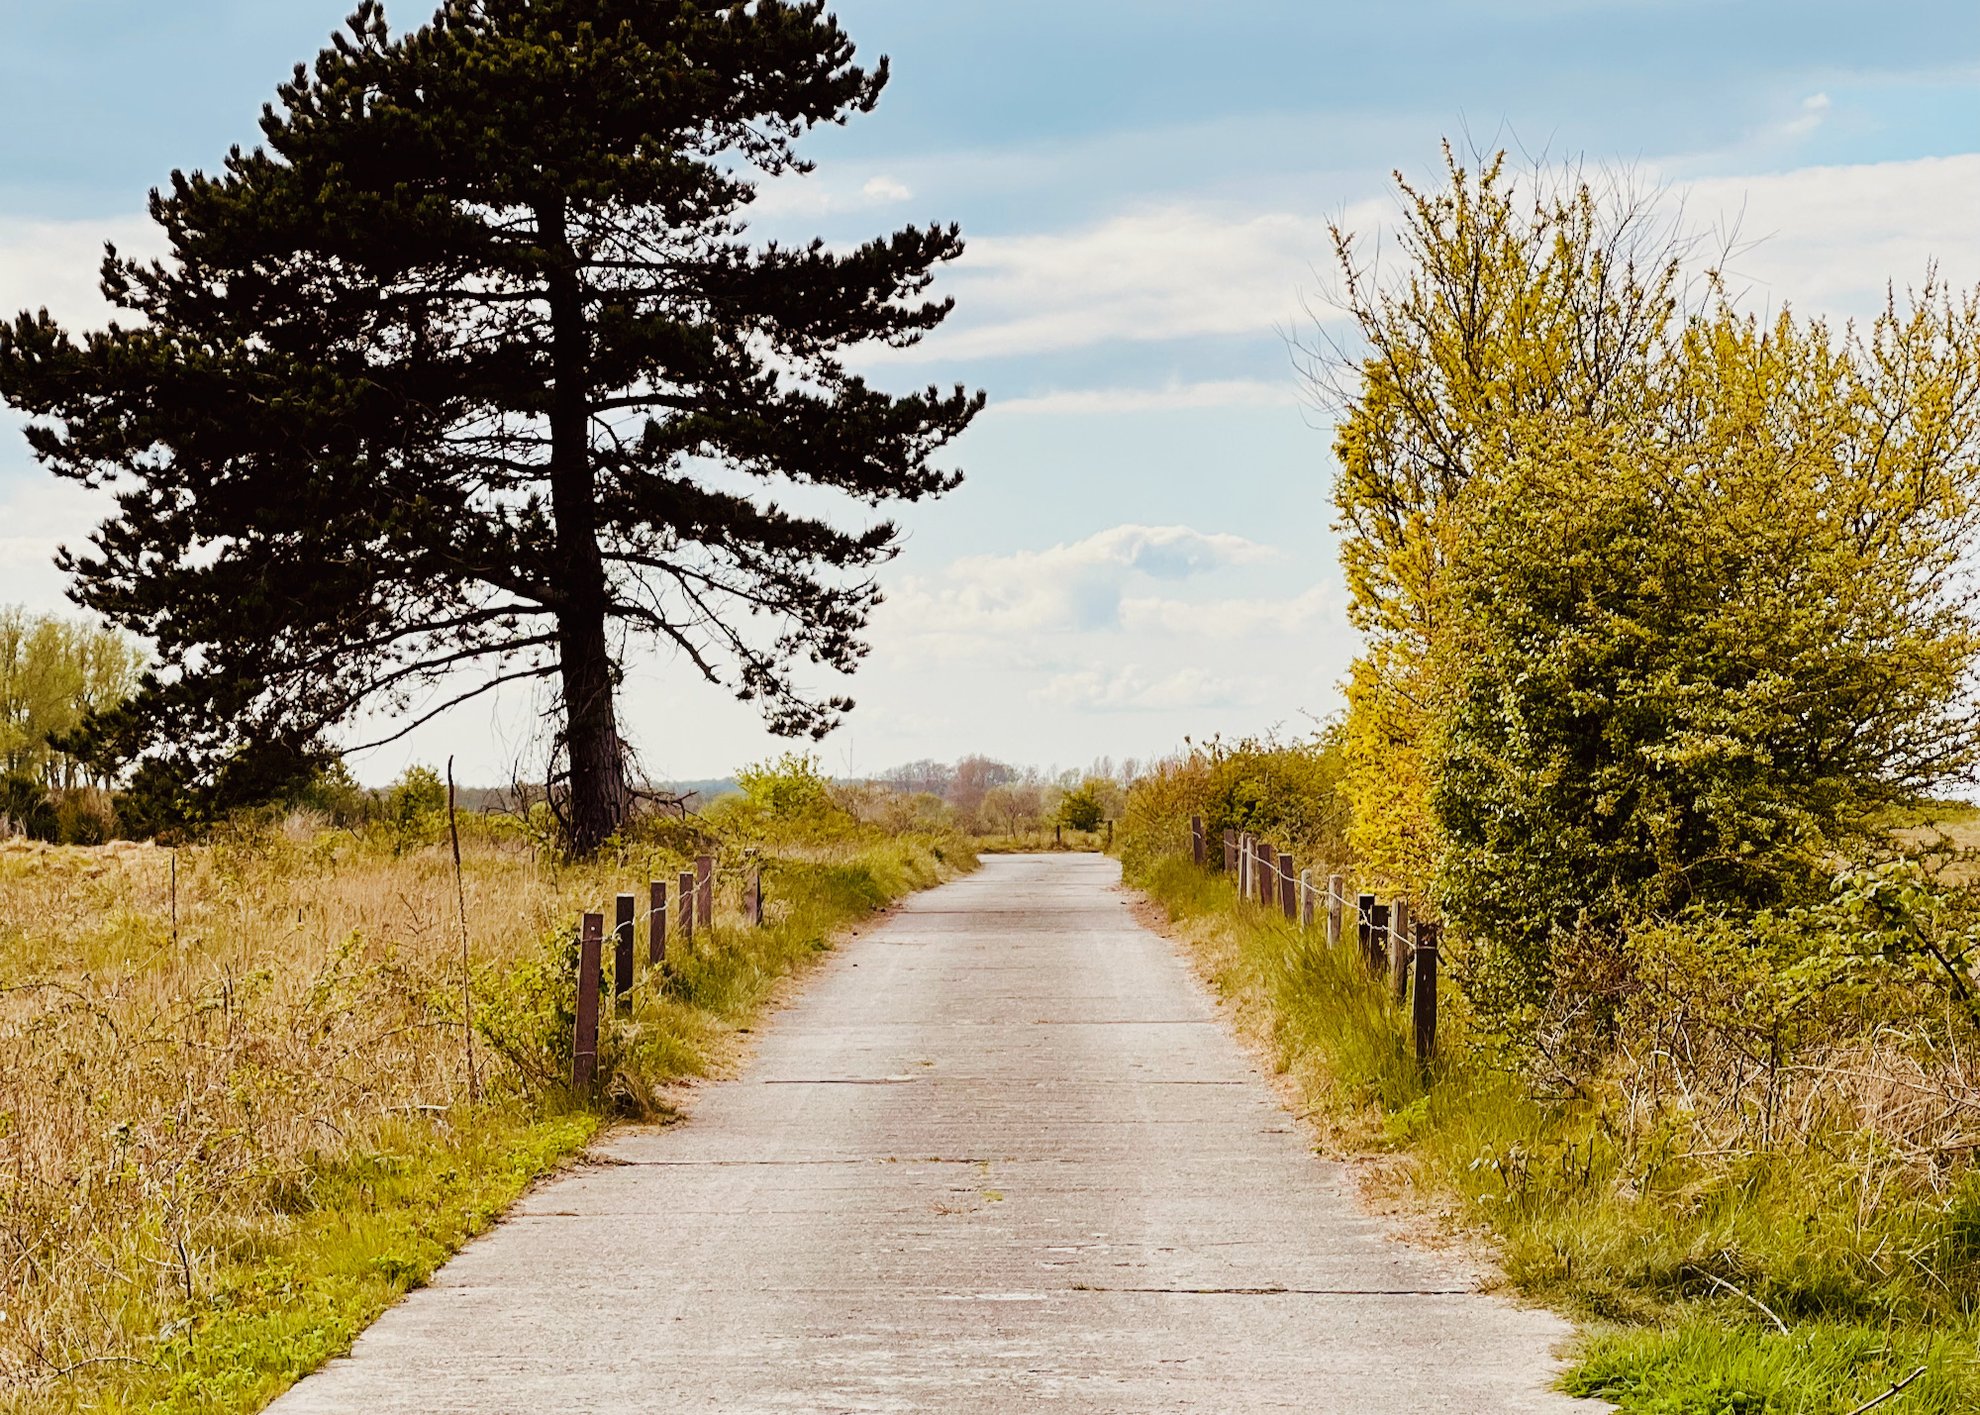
(990, 797)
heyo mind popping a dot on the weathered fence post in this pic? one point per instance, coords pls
(1427, 938)
(1378, 940)
(753, 905)
(1336, 897)
(684, 907)
(1230, 851)
(656, 924)
(1306, 899)
(584, 1037)
(1288, 888)
(1399, 947)
(1364, 910)
(1268, 867)
(704, 891)
(1110, 836)
(1244, 865)
(622, 951)
(1198, 846)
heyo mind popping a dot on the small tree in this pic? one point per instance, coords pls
(471, 370)
(1012, 805)
(1080, 808)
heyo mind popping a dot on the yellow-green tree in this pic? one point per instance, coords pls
(1663, 604)
(54, 672)
(1508, 305)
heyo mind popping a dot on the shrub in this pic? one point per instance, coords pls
(25, 804)
(1290, 793)
(1080, 809)
(84, 816)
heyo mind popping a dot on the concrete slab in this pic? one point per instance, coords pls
(1001, 1156)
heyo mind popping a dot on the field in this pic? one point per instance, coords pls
(241, 1106)
(1790, 1243)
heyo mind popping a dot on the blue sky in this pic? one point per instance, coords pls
(1142, 547)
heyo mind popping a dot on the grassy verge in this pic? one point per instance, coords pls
(1678, 1261)
(225, 1149)
(1037, 842)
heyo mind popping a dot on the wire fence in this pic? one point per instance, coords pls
(693, 910)
(1399, 949)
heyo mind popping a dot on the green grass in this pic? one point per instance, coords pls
(1033, 842)
(1622, 1224)
(368, 1231)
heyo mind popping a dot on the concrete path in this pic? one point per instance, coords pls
(1002, 1156)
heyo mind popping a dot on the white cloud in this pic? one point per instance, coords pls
(1233, 618)
(39, 515)
(885, 190)
(1829, 239)
(1171, 272)
(1081, 587)
(804, 197)
(1174, 397)
(54, 265)
(1134, 689)
(1814, 109)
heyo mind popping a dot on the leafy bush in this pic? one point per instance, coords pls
(26, 806)
(414, 811)
(1080, 809)
(85, 816)
(1289, 793)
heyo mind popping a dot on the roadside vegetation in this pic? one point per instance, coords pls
(1669, 656)
(240, 1114)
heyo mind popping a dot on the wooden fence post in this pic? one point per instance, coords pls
(1378, 940)
(1427, 938)
(1110, 837)
(1288, 888)
(755, 902)
(656, 924)
(704, 891)
(1268, 862)
(1230, 851)
(622, 952)
(1244, 865)
(1336, 897)
(1306, 899)
(684, 907)
(584, 1038)
(1364, 910)
(1399, 947)
(1198, 846)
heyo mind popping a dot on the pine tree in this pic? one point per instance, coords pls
(473, 368)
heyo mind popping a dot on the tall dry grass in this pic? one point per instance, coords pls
(202, 1118)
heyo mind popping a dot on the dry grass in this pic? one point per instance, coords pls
(208, 1124)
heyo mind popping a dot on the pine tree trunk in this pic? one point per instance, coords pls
(599, 796)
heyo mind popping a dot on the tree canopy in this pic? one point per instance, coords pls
(474, 368)
(1665, 604)
(54, 673)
